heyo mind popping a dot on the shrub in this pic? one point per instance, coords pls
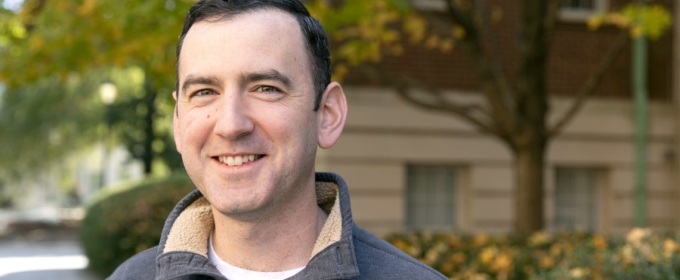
(574, 255)
(123, 221)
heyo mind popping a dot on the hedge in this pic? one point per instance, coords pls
(567, 255)
(123, 221)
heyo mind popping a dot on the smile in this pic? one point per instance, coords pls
(238, 160)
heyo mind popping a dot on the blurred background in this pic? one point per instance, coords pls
(487, 138)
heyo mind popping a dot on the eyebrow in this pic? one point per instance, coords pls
(199, 80)
(271, 74)
(245, 78)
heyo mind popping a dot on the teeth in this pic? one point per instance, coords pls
(238, 160)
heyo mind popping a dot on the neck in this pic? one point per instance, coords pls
(281, 241)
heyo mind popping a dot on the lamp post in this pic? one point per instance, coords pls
(639, 85)
(107, 92)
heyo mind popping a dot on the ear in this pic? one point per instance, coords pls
(331, 115)
(175, 125)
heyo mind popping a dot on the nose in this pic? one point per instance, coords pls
(233, 117)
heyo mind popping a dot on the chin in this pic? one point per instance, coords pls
(241, 212)
(237, 204)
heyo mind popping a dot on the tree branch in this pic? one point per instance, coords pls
(551, 18)
(463, 19)
(492, 37)
(533, 57)
(462, 111)
(495, 86)
(591, 84)
(465, 112)
(497, 60)
(32, 14)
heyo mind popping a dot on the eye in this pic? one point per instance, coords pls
(267, 89)
(203, 92)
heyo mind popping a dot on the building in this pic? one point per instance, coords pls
(412, 169)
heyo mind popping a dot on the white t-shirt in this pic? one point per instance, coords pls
(237, 273)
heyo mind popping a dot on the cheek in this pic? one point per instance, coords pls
(195, 129)
(293, 124)
(300, 135)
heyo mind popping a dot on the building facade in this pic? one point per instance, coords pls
(408, 168)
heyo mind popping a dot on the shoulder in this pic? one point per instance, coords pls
(378, 259)
(140, 266)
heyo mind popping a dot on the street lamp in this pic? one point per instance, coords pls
(108, 92)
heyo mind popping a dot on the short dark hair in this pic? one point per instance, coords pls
(315, 37)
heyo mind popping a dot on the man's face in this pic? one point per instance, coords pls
(245, 124)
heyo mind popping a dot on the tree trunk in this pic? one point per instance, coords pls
(529, 163)
(149, 136)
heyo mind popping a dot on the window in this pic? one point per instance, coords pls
(581, 10)
(436, 5)
(578, 4)
(575, 199)
(430, 197)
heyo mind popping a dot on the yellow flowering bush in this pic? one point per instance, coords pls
(642, 254)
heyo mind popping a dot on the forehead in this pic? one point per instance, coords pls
(253, 41)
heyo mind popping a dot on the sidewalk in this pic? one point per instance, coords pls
(40, 251)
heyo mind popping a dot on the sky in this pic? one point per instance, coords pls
(13, 5)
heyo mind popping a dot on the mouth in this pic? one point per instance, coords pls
(238, 160)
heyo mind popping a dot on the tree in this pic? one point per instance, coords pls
(515, 107)
(67, 38)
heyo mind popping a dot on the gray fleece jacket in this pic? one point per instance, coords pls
(342, 251)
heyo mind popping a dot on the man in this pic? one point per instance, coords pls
(254, 100)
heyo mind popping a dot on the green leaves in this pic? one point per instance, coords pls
(651, 21)
(110, 235)
(642, 20)
(41, 122)
(78, 36)
(55, 54)
(359, 38)
(364, 38)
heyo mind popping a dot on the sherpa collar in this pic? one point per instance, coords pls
(191, 230)
(184, 243)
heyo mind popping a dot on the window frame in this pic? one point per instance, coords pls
(600, 196)
(459, 220)
(428, 5)
(582, 15)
